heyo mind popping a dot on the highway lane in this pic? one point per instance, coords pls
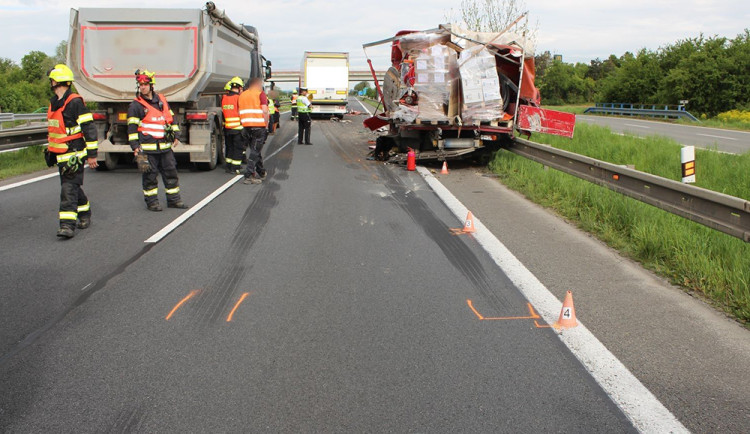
(736, 142)
(346, 290)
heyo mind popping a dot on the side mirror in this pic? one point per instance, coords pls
(268, 71)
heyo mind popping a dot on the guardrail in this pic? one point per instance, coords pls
(719, 211)
(651, 110)
(23, 117)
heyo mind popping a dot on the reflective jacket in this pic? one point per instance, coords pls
(251, 113)
(68, 124)
(230, 109)
(271, 107)
(302, 107)
(147, 123)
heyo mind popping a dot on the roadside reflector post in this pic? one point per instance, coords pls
(687, 157)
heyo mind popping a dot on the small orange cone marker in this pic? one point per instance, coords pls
(444, 170)
(469, 223)
(567, 314)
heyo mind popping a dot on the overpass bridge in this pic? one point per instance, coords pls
(354, 76)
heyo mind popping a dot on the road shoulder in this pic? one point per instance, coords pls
(693, 358)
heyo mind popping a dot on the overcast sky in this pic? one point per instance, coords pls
(580, 30)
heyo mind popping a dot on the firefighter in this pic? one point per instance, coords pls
(235, 146)
(151, 132)
(253, 104)
(304, 107)
(72, 140)
(294, 104)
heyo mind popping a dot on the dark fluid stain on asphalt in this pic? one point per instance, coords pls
(129, 420)
(215, 301)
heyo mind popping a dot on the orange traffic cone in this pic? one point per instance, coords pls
(469, 223)
(444, 170)
(567, 314)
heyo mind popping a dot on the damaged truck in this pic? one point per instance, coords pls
(453, 93)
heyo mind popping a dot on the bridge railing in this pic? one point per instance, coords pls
(650, 110)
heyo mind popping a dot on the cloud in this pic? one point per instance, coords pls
(580, 30)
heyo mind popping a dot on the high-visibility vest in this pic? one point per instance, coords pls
(155, 121)
(271, 107)
(302, 108)
(294, 99)
(231, 110)
(58, 135)
(251, 113)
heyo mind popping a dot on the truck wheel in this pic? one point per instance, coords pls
(110, 162)
(214, 145)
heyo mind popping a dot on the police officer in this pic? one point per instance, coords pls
(233, 140)
(304, 108)
(294, 104)
(151, 130)
(72, 141)
(253, 104)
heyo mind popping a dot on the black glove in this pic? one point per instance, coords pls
(49, 158)
(169, 134)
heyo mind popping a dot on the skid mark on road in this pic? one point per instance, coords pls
(127, 421)
(454, 248)
(219, 298)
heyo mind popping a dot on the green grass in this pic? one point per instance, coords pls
(23, 161)
(690, 255)
(575, 108)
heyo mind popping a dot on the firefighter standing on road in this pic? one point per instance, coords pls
(235, 144)
(253, 104)
(72, 141)
(294, 105)
(304, 108)
(151, 131)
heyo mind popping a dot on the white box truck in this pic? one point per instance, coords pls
(326, 77)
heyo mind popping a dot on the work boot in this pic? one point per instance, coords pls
(154, 206)
(84, 221)
(263, 174)
(66, 232)
(179, 204)
(251, 180)
(229, 169)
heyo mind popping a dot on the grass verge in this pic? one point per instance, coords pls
(21, 162)
(688, 254)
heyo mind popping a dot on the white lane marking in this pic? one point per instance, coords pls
(363, 106)
(28, 181)
(638, 126)
(664, 124)
(166, 230)
(716, 137)
(641, 407)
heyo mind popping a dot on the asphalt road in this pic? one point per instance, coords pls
(331, 298)
(735, 142)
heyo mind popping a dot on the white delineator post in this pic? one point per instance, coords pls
(687, 157)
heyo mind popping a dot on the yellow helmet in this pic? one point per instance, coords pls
(60, 73)
(144, 76)
(235, 81)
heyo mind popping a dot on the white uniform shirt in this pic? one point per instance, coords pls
(304, 100)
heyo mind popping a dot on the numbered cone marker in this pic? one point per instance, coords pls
(567, 314)
(469, 223)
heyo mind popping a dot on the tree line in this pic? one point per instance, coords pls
(712, 73)
(25, 88)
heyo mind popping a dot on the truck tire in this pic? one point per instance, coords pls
(215, 145)
(110, 162)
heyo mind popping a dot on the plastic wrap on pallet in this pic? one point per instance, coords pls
(420, 41)
(405, 113)
(480, 84)
(436, 72)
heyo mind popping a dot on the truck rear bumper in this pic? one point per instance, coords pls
(106, 146)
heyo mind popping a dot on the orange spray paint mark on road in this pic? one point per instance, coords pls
(532, 314)
(242, 298)
(177, 306)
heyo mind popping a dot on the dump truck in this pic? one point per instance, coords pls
(453, 93)
(326, 77)
(193, 52)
